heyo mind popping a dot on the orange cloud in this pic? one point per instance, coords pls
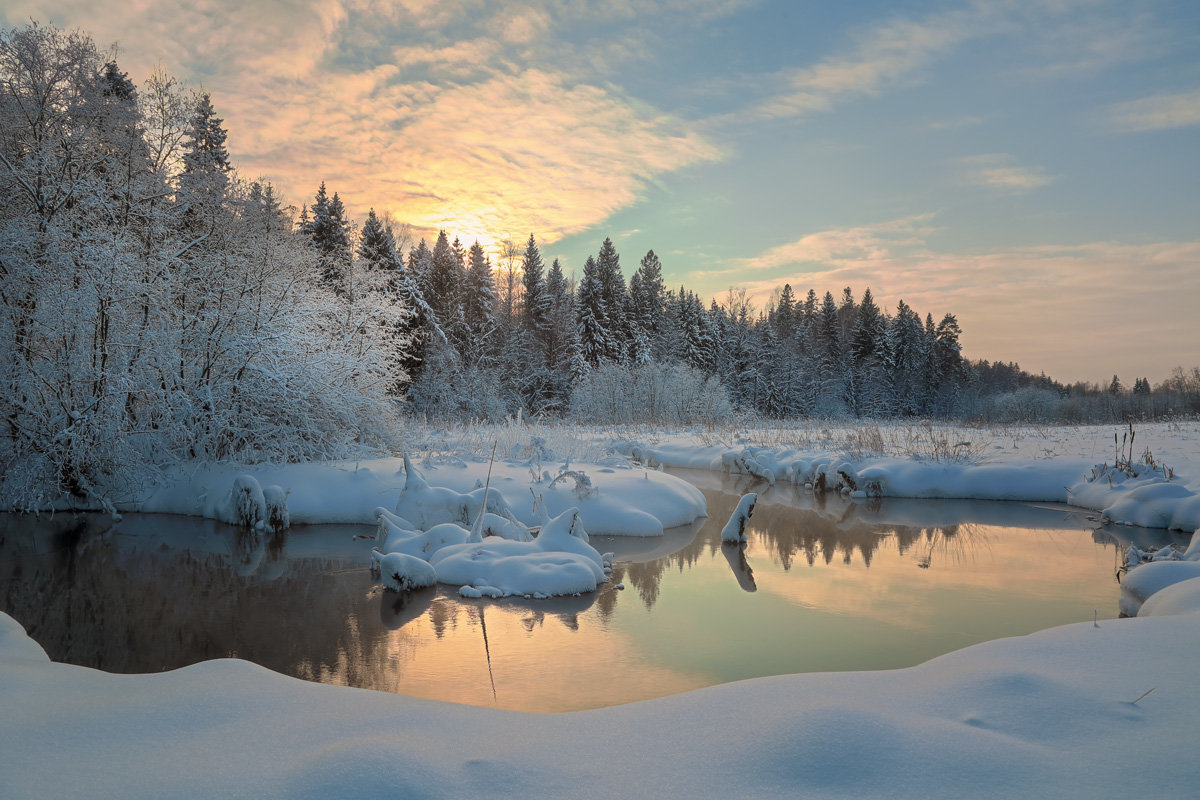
(441, 129)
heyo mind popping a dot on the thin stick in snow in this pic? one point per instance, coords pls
(735, 530)
(477, 528)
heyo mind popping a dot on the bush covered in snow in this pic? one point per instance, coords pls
(615, 394)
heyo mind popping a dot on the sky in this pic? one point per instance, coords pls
(1032, 166)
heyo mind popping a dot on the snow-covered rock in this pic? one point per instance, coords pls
(422, 544)
(557, 562)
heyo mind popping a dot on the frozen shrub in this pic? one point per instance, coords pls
(658, 393)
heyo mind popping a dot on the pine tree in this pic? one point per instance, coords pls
(593, 335)
(535, 304)
(479, 305)
(205, 176)
(948, 363)
(613, 301)
(376, 246)
(326, 231)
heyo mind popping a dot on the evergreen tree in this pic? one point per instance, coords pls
(205, 157)
(866, 347)
(205, 176)
(376, 246)
(593, 335)
(327, 232)
(903, 360)
(479, 305)
(442, 291)
(535, 306)
(948, 363)
(613, 301)
(784, 317)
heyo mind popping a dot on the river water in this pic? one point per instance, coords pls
(823, 584)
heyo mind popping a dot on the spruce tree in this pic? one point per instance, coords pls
(479, 305)
(593, 335)
(535, 303)
(443, 289)
(613, 300)
(205, 176)
(327, 232)
(376, 246)
(562, 336)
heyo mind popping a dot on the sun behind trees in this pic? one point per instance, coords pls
(156, 307)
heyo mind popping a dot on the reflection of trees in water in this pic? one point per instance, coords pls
(646, 577)
(96, 598)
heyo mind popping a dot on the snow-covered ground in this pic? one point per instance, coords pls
(1080, 711)
(1048, 715)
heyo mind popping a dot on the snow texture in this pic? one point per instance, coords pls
(621, 501)
(402, 573)
(558, 562)
(1052, 713)
(1065, 711)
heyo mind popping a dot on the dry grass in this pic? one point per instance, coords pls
(556, 441)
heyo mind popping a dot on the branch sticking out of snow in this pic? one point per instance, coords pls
(735, 530)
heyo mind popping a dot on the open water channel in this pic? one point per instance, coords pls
(823, 584)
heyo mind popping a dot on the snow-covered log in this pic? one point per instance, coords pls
(735, 530)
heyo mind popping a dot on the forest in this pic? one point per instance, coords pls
(156, 307)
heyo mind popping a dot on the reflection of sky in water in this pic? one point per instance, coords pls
(823, 584)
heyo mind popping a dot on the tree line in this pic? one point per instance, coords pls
(156, 307)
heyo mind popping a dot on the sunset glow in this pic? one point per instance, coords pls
(1029, 166)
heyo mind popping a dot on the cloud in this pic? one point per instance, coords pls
(1062, 37)
(1178, 110)
(996, 170)
(508, 154)
(884, 56)
(843, 245)
(1055, 308)
(442, 113)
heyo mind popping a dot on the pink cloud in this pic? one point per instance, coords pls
(1079, 312)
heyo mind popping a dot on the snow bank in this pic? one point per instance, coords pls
(1049, 465)
(620, 501)
(1178, 598)
(1052, 714)
(1141, 582)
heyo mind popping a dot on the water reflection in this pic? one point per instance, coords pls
(823, 583)
(735, 554)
